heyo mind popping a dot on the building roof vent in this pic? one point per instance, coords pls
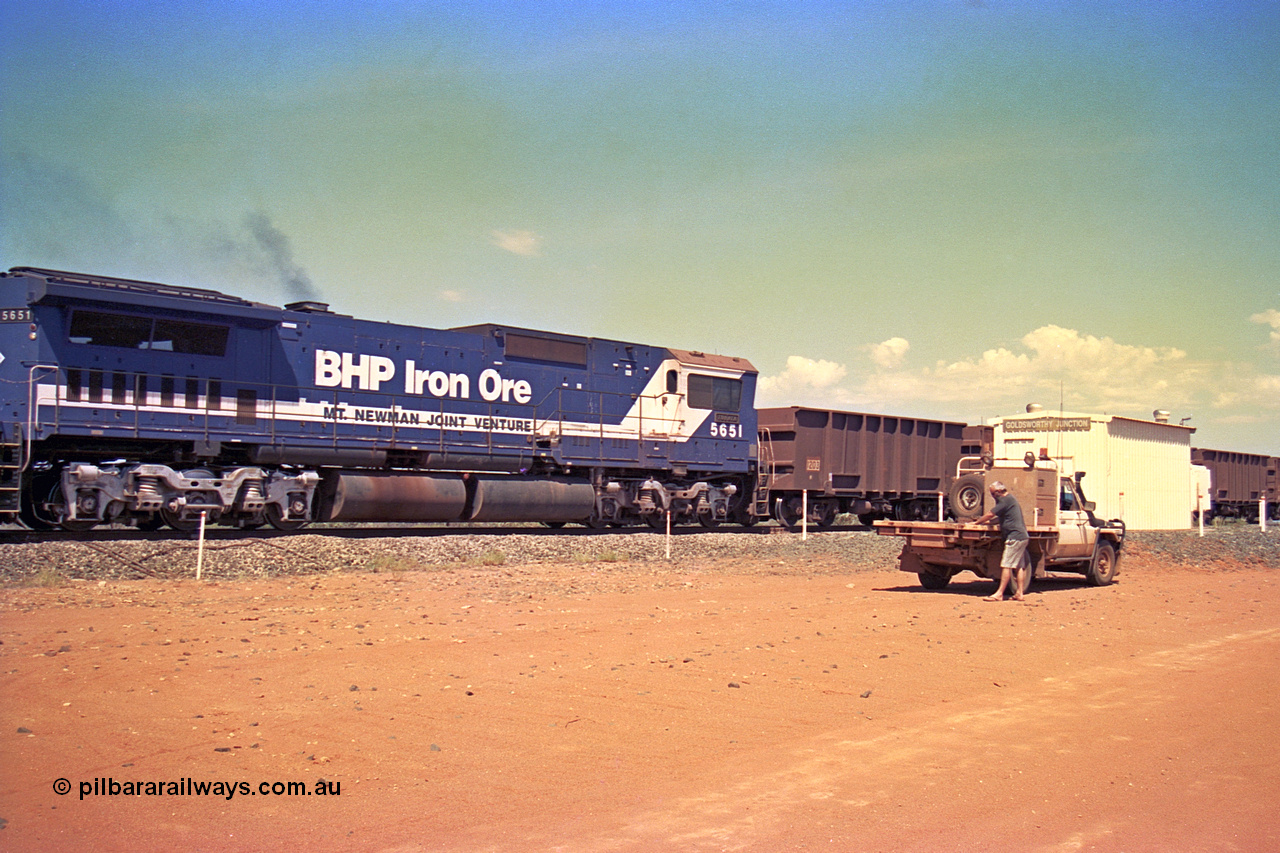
(1033, 408)
(1160, 416)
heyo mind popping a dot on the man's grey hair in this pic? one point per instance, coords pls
(998, 486)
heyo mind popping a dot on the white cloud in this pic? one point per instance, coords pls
(524, 243)
(803, 375)
(1050, 365)
(1270, 317)
(890, 353)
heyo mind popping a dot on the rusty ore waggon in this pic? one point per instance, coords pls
(824, 462)
(1241, 482)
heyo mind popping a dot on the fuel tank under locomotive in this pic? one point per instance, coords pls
(362, 496)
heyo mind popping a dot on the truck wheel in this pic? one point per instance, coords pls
(929, 580)
(1103, 568)
(965, 496)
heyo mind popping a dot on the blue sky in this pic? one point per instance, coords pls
(945, 209)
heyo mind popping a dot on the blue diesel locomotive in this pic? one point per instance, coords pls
(146, 404)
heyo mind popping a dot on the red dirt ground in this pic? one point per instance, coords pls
(718, 707)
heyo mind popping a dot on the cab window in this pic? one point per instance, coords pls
(714, 392)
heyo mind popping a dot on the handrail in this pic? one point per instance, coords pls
(32, 406)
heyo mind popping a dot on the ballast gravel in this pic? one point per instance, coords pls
(649, 553)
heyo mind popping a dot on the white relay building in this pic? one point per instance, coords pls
(1136, 470)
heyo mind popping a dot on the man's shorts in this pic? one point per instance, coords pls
(1015, 554)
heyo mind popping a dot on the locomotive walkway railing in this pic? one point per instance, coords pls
(588, 426)
(574, 416)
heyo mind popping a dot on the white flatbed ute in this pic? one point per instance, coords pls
(1064, 534)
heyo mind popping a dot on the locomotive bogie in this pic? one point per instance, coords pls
(624, 501)
(141, 494)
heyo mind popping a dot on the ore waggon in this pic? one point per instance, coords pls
(823, 463)
(1242, 484)
(140, 403)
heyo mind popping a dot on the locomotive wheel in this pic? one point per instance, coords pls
(275, 517)
(44, 489)
(708, 520)
(32, 521)
(786, 513)
(57, 504)
(966, 496)
(29, 516)
(174, 518)
(177, 522)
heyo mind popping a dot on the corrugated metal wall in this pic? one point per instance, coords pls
(1136, 470)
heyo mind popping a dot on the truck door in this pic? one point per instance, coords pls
(1075, 536)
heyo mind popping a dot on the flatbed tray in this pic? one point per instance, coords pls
(949, 534)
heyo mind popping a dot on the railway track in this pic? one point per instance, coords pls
(14, 533)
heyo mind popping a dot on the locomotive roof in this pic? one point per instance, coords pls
(59, 286)
(491, 328)
(727, 362)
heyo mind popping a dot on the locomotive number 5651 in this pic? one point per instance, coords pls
(726, 430)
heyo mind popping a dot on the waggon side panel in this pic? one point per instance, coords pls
(859, 454)
(1238, 478)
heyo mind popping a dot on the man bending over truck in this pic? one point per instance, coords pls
(1009, 514)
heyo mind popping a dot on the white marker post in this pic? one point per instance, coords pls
(200, 547)
(804, 515)
(1200, 509)
(668, 515)
(1262, 514)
